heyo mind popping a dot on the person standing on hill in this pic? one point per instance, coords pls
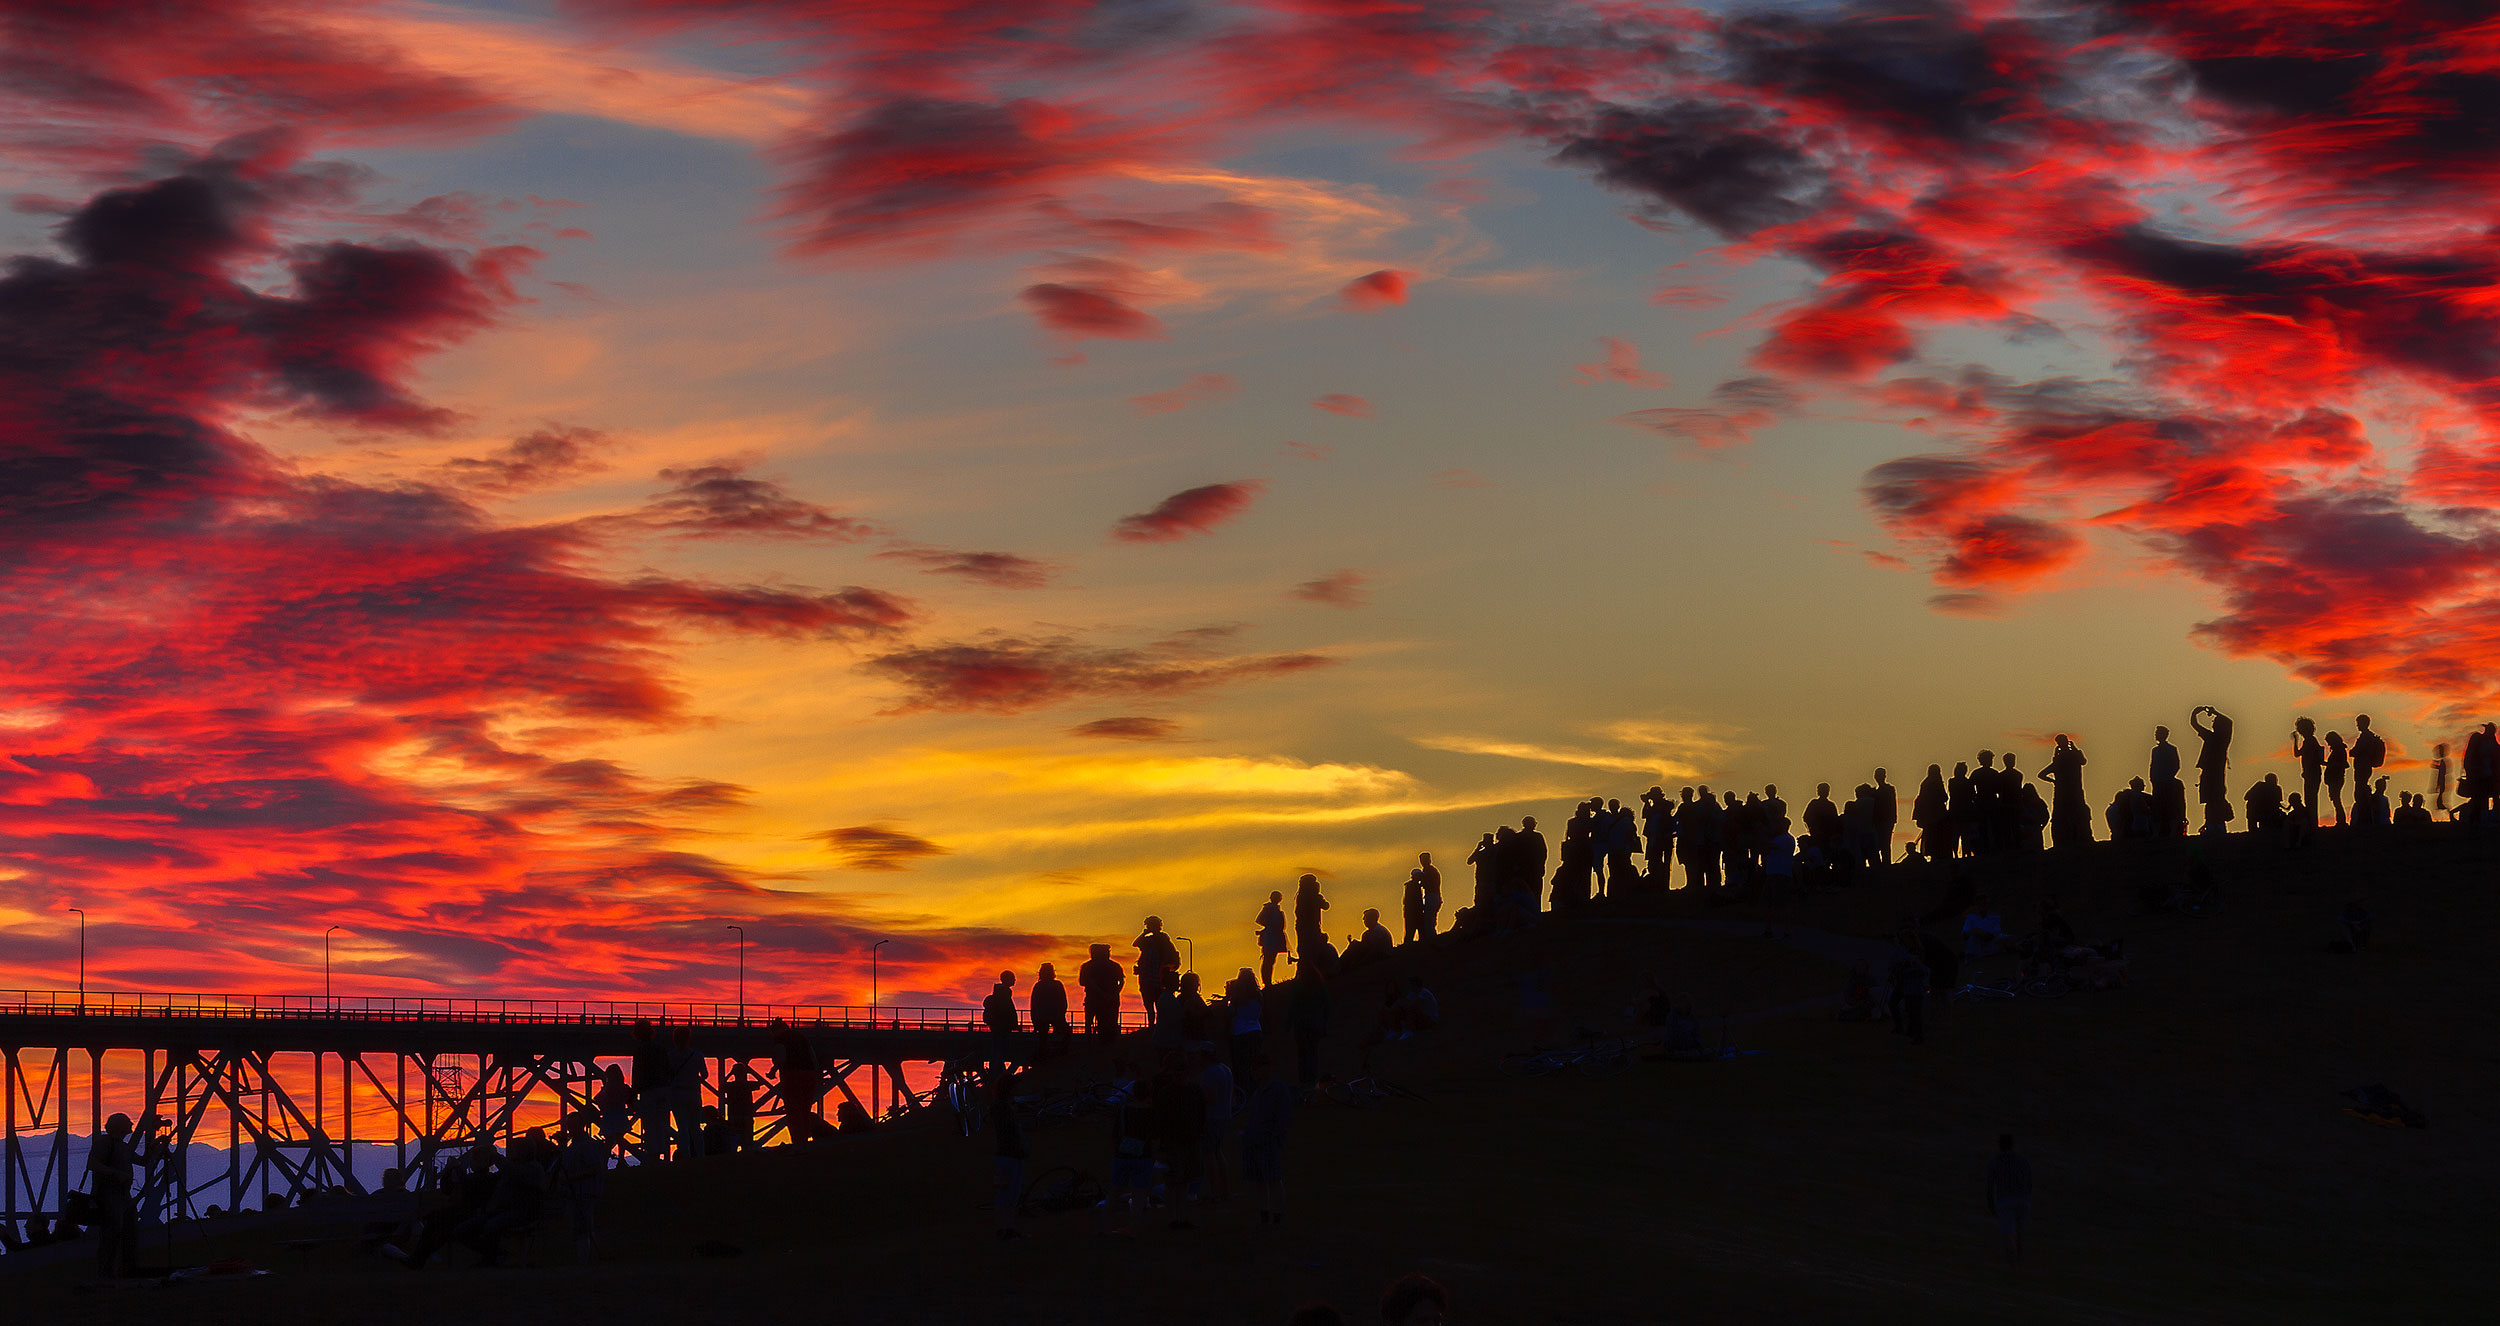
(1310, 922)
(1528, 863)
(1271, 936)
(2169, 794)
(1158, 968)
(1933, 815)
(1049, 1005)
(2312, 756)
(2009, 1195)
(800, 1081)
(2213, 765)
(2338, 763)
(1412, 908)
(2369, 754)
(1886, 808)
(1487, 859)
(998, 1013)
(2478, 773)
(1432, 893)
(1658, 834)
(2070, 817)
(1102, 980)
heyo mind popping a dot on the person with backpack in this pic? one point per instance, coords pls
(2369, 752)
(1158, 969)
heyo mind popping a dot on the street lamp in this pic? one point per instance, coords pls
(82, 957)
(872, 977)
(742, 971)
(1193, 951)
(326, 1001)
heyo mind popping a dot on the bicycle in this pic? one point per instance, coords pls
(1060, 1188)
(1363, 1092)
(1596, 1056)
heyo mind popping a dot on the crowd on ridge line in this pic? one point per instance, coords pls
(1723, 843)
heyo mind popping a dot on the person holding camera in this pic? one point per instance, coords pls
(114, 1160)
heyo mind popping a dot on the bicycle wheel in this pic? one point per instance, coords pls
(1595, 1064)
(2047, 987)
(1338, 1092)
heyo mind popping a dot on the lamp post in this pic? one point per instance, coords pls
(1193, 951)
(82, 957)
(872, 977)
(327, 1001)
(742, 972)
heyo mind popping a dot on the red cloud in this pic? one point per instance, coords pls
(263, 702)
(1006, 675)
(1352, 407)
(1338, 589)
(1190, 511)
(1622, 364)
(1374, 291)
(1082, 310)
(1199, 389)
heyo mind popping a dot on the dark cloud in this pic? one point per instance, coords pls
(1191, 511)
(721, 500)
(1730, 167)
(1006, 674)
(541, 459)
(1338, 589)
(879, 847)
(996, 569)
(1128, 728)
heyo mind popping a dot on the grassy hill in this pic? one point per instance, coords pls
(2193, 1160)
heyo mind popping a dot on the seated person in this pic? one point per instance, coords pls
(1857, 1000)
(1421, 1011)
(1373, 944)
(1983, 931)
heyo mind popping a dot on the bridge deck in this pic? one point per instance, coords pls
(569, 1029)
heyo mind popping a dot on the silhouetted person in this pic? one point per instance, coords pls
(1102, 980)
(1432, 893)
(652, 1071)
(2009, 1194)
(1885, 809)
(1822, 820)
(1049, 1005)
(1962, 801)
(1529, 856)
(2312, 756)
(1932, 811)
(1622, 841)
(113, 1160)
(2481, 770)
(1571, 872)
(2439, 775)
(2169, 794)
(1373, 944)
(2369, 754)
(1271, 936)
(2213, 765)
(1658, 834)
(2338, 764)
(2070, 815)
(1487, 859)
(2300, 822)
(685, 1094)
(1246, 1018)
(1411, 909)
(2265, 805)
(1310, 922)
(1158, 967)
(998, 1013)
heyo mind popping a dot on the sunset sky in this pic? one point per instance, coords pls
(536, 484)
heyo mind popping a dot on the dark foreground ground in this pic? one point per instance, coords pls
(2193, 1160)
